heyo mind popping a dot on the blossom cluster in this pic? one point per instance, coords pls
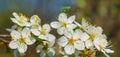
(75, 39)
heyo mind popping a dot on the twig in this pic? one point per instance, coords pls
(4, 41)
(4, 36)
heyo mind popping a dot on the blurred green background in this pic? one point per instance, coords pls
(104, 13)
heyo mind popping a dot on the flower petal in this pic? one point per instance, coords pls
(14, 20)
(105, 54)
(89, 44)
(62, 17)
(35, 19)
(77, 33)
(69, 49)
(13, 44)
(16, 15)
(42, 37)
(109, 51)
(68, 33)
(39, 48)
(71, 19)
(71, 26)
(15, 34)
(27, 24)
(47, 28)
(62, 41)
(79, 45)
(99, 30)
(51, 52)
(42, 54)
(22, 48)
(26, 33)
(84, 36)
(55, 24)
(35, 32)
(60, 30)
(30, 41)
(51, 39)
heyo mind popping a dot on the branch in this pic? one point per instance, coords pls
(4, 41)
(5, 36)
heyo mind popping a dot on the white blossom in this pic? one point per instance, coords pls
(73, 40)
(21, 39)
(63, 23)
(45, 49)
(101, 44)
(35, 21)
(20, 20)
(43, 32)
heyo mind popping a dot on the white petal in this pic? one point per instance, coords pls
(30, 41)
(84, 36)
(51, 52)
(62, 41)
(55, 24)
(26, 32)
(77, 33)
(71, 26)
(42, 37)
(96, 43)
(109, 51)
(99, 30)
(39, 48)
(47, 28)
(71, 19)
(60, 30)
(62, 17)
(27, 24)
(79, 45)
(88, 44)
(106, 54)
(69, 49)
(35, 19)
(65, 56)
(68, 33)
(42, 54)
(15, 34)
(16, 15)
(50, 37)
(85, 23)
(95, 30)
(13, 44)
(14, 20)
(35, 32)
(22, 48)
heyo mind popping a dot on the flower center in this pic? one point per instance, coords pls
(20, 21)
(36, 19)
(42, 31)
(92, 36)
(22, 40)
(64, 24)
(89, 53)
(71, 41)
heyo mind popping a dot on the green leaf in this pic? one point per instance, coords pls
(65, 9)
